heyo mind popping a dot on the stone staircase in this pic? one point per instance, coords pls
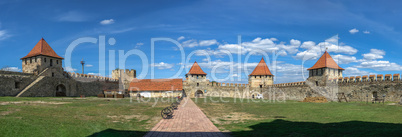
(30, 85)
(43, 71)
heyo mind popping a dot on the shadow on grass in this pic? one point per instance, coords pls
(281, 127)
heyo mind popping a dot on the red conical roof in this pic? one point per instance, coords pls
(196, 69)
(325, 61)
(261, 69)
(42, 48)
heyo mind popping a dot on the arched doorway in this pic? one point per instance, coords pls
(60, 90)
(199, 93)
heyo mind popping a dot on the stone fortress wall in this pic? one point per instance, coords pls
(72, 84)
(359, 88)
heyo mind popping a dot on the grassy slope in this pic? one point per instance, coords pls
(80, 117)
(303, 119)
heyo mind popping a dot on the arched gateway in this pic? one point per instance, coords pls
(60, 90)
(198, 94)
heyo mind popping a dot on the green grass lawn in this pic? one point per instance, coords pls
(50, 116)
(293, 118)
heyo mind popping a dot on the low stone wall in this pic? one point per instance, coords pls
(356, 91)
(12, 83)
(47, 87)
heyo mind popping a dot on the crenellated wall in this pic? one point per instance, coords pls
(355, 88)
(86, 77)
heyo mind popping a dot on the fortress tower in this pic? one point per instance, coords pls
(121, 73)
(197, 79)
(261, 76)
(196, 74)
(124, 77)
(42, 57)
(325, 68)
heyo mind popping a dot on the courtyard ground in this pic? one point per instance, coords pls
(50, 116)
(292, 118)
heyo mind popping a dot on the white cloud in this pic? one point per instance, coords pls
(307, 44)
(4, 35)
(162, 65)
(140, 44)
(69, 69)
(366, 32)
(73, 16)
(180, 38)
(233, 48)
(194, 43)
(315, 51)
(343, 59)
(374, 54)
(107, 21)
(273, 39)
(338, 49)
(292, 48)
(89, 65)
(352, 71)
(190, 43)
(353, 31)
(14, 69)
(380, 65)
(208, 42)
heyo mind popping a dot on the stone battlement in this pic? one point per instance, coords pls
(367, 78)
(217, 84)
(292, 84)
(89, 77)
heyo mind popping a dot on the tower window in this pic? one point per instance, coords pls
(316, 83)
(52, 74)
(57, 61)
(51, 62)
(35, 59)
(30, 60)
(45, 59)
(198, 84)
(260, 86)
(260, 76)
(255, 76)
(26, 61)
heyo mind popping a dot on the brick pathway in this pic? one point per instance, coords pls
(188, 120)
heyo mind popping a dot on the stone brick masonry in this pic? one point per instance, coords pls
(188, 121)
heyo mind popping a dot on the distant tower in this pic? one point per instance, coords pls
(261, 76)
(325, 68)
(196, 74)
(42, 57)
(124, 76)
(82, 63)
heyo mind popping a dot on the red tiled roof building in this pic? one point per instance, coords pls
(42, 56)
(156, 87)
(325, 68)
(261, 75)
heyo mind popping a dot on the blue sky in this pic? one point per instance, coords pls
(362, 36)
